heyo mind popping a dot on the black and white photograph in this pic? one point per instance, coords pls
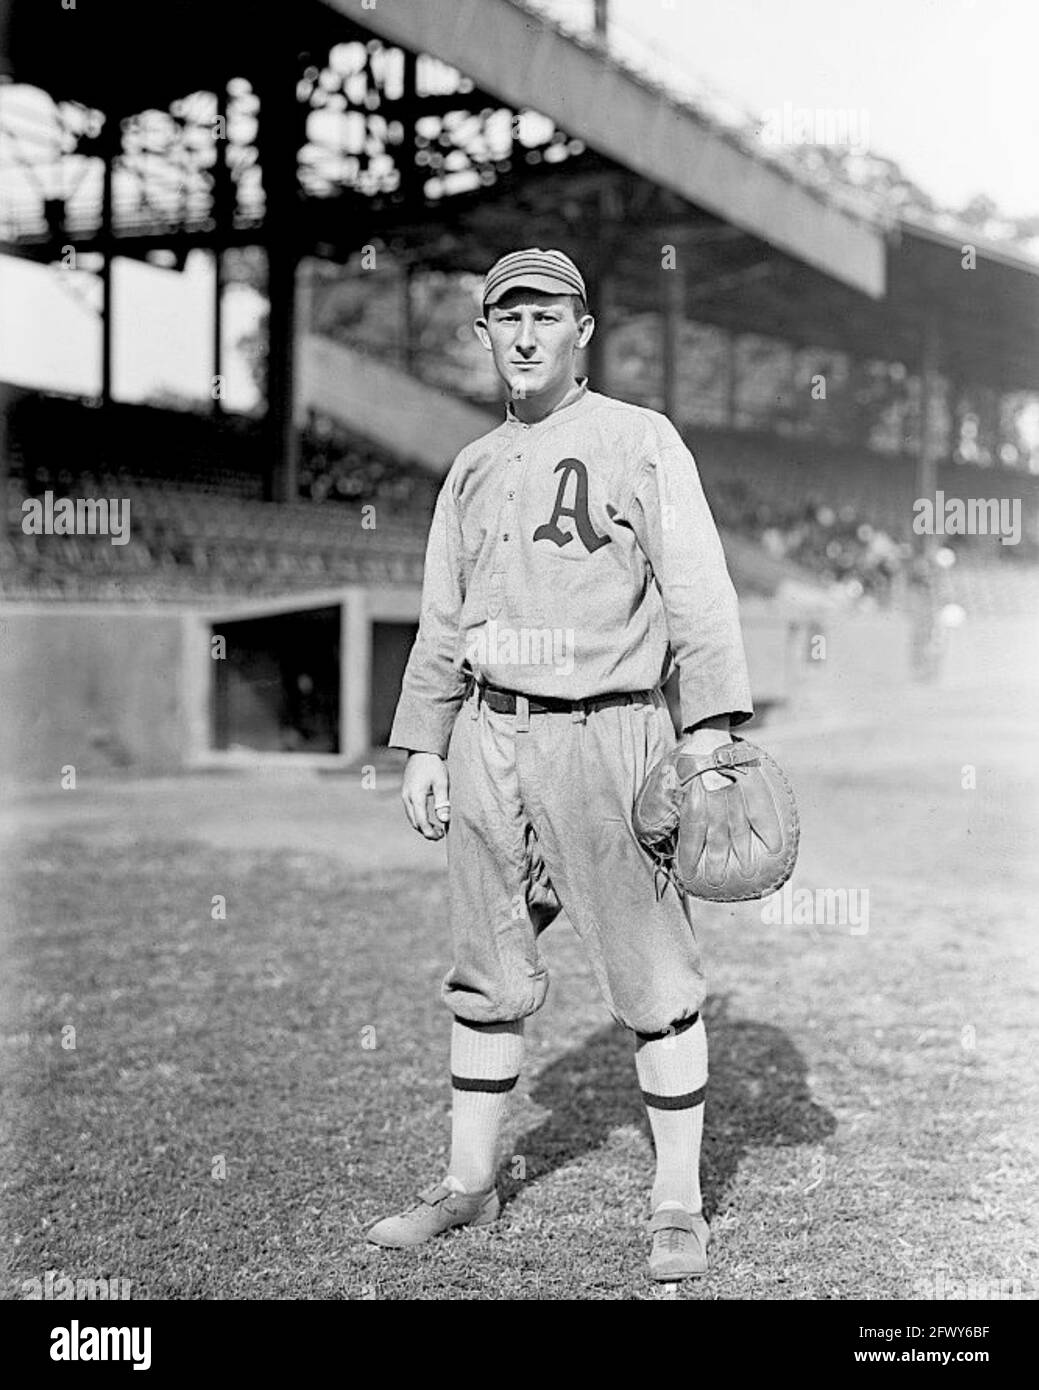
(519, 580)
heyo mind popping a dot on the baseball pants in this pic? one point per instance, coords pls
(541, 810)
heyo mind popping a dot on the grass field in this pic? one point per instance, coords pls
(245, 1094)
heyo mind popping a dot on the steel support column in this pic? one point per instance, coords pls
(672, 323)
(109, 144)
(279, 138)
(927, 453)
(222, 216)
(600, 289)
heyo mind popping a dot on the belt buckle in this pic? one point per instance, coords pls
(476, 691)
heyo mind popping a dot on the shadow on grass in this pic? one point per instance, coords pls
(757, 1097)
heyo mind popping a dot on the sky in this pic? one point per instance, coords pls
(945, 87)
(50, 330)
(949, 86)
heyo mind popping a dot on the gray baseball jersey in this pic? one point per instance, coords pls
(573, 557)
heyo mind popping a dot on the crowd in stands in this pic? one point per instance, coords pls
(836, 545)
(334, 466)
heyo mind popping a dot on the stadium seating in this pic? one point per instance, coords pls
(779, 471)
(200, 528)
(846, 516)
(206, 545)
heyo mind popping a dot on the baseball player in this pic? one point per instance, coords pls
(572, 561)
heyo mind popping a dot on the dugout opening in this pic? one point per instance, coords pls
(276, 683)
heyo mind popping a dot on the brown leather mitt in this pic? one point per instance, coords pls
(730, 845)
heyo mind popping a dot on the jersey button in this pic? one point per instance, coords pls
(506, 536)
(511, 495)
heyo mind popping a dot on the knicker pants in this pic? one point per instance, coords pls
(541, 820)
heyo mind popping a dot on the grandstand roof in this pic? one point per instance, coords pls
(119, 59)
(769, 252)
(111, 61)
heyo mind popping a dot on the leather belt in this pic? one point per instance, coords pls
(504, 701)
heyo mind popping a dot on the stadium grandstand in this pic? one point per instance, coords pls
(392, 153)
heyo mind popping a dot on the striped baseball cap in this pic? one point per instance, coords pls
(533, 269)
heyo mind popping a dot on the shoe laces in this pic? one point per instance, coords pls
(671, 1239)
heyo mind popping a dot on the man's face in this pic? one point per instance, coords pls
(533, 338)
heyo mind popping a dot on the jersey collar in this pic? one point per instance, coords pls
(576, 393)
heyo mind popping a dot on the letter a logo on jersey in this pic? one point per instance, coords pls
(549, 530)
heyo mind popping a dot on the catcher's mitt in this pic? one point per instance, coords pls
(729, 845)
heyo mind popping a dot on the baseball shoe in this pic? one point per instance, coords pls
(680, 1239)
(438, 1209)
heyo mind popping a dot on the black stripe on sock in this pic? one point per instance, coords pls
(685, 1102)
(479, 1083)
(671, 1032)
(479, 1027)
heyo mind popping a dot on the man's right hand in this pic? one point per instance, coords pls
(425, 776)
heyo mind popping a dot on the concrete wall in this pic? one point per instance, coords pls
(867, 663)
(93, 687)
(105, 688)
